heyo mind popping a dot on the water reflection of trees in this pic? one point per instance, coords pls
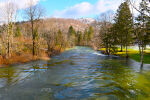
(12, 75)
(121, 78)
(143, 85)
(9, 75)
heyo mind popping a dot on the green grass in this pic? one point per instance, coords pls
(137, 57)
(134, 54)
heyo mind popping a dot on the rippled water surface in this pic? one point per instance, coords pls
(77, 74)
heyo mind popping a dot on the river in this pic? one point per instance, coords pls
(77, 74)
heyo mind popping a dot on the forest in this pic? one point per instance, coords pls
(39, 38)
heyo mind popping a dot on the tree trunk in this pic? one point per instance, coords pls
(33, 48)
(33, 36)
(8, 48)
(121, 45)
(121, 48)
(8, 42)
(107, 49)
(142, 55)
(126, 47)
(126, 51)
(11, 35)
(139, 49)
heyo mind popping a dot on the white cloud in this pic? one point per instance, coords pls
(86, 9)
(136, 4)
(21, 4)
(103, 5)
(81, 9)
(24, 3)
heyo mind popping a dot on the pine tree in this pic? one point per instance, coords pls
(124, 23)
(79, 38)
(18, 31)
(85, 37)
(106, 37)
(59, 37)
(90, 33)
(118, 27)
(71, 36)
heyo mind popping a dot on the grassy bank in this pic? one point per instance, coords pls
(24, 57)
(133, 54)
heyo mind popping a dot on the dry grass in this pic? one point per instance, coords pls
(22, 58)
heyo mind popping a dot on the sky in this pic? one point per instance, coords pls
(71, 8)
(79, 8)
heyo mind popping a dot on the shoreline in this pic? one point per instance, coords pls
(26, 58)
(23, 60)
(132, 53)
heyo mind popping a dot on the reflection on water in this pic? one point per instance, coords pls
(14, 74)
(77, 74)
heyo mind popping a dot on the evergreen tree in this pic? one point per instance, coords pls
(18, 31)
(90, 33)
(72, 36)
(59, 38)
(105, 35)
(79, 38)
(124, 23)
(118, 27)
(71, 31)
(85, 37)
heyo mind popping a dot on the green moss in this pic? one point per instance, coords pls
(134, 54)
(69, 84)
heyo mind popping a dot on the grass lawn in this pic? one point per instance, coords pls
(137, 57)
(134, 54)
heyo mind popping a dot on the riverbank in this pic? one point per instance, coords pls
(133, 54)
(26, 57)
(22, 58)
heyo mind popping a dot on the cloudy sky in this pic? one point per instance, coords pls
(72, 8)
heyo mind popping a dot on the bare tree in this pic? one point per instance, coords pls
(104, 23)
(33, 14)
(10, 13)
(131, 2)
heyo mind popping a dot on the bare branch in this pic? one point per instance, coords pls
(137, 8)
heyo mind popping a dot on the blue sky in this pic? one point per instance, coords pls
(81, 8)
(53, 5)
(71, 8)
(78, 8)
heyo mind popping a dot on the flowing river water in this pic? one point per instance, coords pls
(77, 74)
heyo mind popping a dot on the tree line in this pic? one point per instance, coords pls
(32, 36)
(125, 29)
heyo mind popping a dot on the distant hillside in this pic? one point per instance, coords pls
(87, 20)
(64, 24)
